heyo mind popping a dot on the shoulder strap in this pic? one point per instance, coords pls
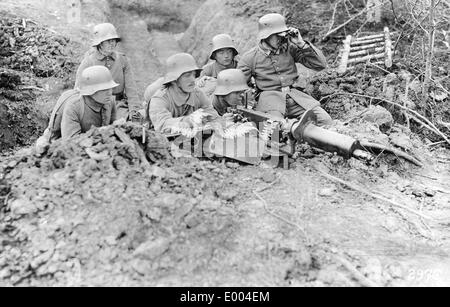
(62, 100)
(82, 109)
(254, 62)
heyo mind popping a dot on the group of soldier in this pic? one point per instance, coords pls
(106, 92)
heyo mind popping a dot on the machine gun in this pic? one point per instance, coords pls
(304, 131)
(276, 137)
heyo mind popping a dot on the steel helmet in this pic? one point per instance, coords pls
(104, 32)
(230, 80)
(271, 24)
(95, 79)
(179, 64)
(222, 41)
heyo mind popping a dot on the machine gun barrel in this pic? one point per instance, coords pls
(305, 130)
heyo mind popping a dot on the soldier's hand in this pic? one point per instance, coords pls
(228, 117)
(136, 116)
(296, 38)
(119, 122)
(186, 123)
(202, 81)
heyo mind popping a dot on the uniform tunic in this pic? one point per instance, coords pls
(170, 106)
(276, 71)
(81, 115)
(214, 68)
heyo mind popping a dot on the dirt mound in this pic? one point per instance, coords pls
(20, 121)
(26, 46)
(96, 211)
(28, 54)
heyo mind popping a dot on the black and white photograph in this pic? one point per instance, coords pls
(201, 145)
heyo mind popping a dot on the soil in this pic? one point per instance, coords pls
(107, 208)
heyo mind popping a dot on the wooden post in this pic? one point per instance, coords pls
(364, 47)
(368, 41)
(367, 51)
(345, 55)
(366, 58)
(388, 48)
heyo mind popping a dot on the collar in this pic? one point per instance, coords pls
(223, 67)
(179, 97)
(101, 57)
(268, 50)
(94, 105)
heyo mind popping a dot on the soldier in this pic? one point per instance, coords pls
(94, 106)
(77, 110)
(231, 90)
(178, 102)
(223, 54)
(272, 65)
(105, 54)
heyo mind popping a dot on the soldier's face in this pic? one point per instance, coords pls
(275, 41)
(187, 82)
(109, 46)
(103, 97)
(234, 99)
(224, 56)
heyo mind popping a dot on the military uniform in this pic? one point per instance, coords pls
(81, 115)
(214, 68)
(170, 105)
(275, 73)
(126, 94)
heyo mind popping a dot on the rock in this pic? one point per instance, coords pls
(192, 220)
(326, 90)
(232, 165)
(396, 271)
(374, 271)
(87, 143)
(154, 214)
(379, 116)
(41, 260)
(401, 140)
(12, 164)
(21, 207)
(141, 267)
(182, 211)
(336, 160)
(417, 193)
(198, 176)
(430, 193)
(47, 246)
(268, 177)
(157, 172)
(217, 171)
(111, 240)
(308, 154)
(5, 273)
(152, 249)
(328, 192)
(209, 205)
(102, 156)
(227, 194)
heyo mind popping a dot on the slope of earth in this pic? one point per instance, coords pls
(41, 46)
(110, 209)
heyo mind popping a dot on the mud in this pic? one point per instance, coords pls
(110, 209)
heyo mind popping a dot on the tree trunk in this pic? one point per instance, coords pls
(431, 41)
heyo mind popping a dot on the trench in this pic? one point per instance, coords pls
(146, 48)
